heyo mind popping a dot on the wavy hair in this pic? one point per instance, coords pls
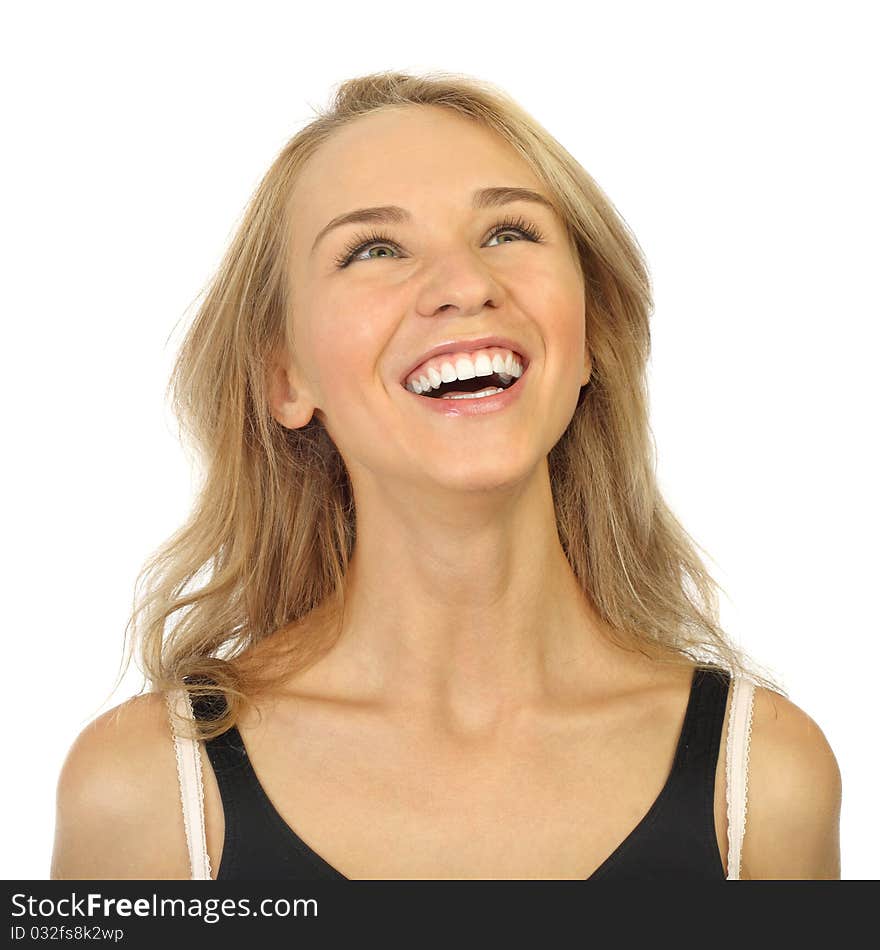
(262, 557)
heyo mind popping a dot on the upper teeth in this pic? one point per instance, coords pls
(452, 366)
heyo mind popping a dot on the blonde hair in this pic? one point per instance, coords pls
(267, 544)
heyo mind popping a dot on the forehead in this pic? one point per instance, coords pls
(407, 156)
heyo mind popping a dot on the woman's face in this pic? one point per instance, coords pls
(444, 273)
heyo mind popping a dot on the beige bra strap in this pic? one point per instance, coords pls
(192, 793)
(739, 733)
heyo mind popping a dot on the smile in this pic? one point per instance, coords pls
(485, 399)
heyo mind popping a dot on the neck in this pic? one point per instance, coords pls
(467, 611)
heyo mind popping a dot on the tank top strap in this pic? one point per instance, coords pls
(696, 759)
(739, 733)
(688, 820)
(192, 791)
(232, 767)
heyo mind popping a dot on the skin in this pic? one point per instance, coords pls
(487, 617)
(470, 665)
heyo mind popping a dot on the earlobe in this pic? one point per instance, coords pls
(288, 403)
(588, 369)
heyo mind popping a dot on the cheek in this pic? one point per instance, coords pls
(567, 314)
(347, 339)
(556, 299)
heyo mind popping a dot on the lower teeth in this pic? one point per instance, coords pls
(479, 395)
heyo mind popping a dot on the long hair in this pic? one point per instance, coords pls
(265, 550)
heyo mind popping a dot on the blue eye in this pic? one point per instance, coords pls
(362, 242)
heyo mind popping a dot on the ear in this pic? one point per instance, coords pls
(289, 399)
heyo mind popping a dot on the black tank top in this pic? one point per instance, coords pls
(674, 840)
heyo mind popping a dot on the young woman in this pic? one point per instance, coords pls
(430, 614)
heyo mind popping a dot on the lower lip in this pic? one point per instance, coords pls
(481, 406)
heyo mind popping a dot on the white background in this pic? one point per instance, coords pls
(737, 142)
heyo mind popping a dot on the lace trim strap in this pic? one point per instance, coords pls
(739, 734)
(192, 791)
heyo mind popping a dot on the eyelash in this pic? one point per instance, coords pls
(362, 241)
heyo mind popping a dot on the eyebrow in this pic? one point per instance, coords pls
(482, 198)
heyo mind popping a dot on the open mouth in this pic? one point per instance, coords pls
(465, 388)
(509, 367)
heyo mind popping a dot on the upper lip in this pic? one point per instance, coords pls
(465, 345)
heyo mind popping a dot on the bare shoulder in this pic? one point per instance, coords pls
(794, 796)
(118, 808)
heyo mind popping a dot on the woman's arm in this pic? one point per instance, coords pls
(794, 796)
(118, 804)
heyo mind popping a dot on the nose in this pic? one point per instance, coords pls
(459, 283)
